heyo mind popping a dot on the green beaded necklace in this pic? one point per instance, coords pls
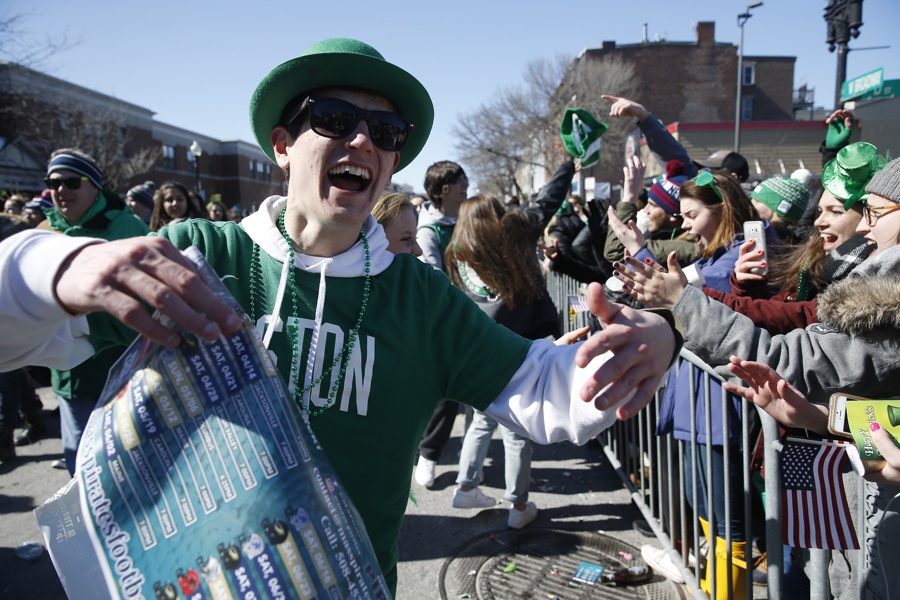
(340, 359)
(803, 286)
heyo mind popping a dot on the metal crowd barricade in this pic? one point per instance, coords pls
(652, 469)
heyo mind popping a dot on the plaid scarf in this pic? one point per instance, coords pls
(845, 258)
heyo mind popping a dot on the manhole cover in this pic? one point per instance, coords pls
(545, 561)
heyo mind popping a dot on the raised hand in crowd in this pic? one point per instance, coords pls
(631, 237)
(840, 128)
(623, 107)
(633, 176)
(649, 282)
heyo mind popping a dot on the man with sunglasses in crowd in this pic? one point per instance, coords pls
(82, 208)
(376, 340)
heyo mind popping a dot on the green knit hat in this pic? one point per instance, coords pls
(580, 133)
(342, 62)
(847, 175)
(787, 197)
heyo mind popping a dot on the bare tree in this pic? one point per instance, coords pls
(506, 138)
(101, 131)
(586, 79)
(43, 121)
(19, 46)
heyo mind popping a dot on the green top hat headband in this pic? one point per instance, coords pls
(847, 175)
(342, 62)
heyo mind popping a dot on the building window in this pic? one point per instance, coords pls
(746, 109)
(260, 171)
(168, 157)
(252, 169)
(749, 75)
(268, 172)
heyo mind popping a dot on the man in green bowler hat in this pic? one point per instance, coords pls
(376, 340)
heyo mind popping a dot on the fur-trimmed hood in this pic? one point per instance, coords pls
(868, 299)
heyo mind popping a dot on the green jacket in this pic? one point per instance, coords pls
(109, 219)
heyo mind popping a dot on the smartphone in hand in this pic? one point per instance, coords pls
(756, 231)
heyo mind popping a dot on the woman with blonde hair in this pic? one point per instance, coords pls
(397, 215)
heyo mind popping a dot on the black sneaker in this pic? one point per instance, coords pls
(33, 430)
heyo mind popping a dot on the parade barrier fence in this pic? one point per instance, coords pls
(652, 469)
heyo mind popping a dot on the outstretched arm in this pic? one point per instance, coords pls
(661, 143)
(116, 276)
(575, 392)
(643, 346)
(772, 393)
(51, 281)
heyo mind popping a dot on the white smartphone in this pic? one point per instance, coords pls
(837, 416)
(756, 231)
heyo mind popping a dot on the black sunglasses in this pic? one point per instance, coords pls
(334, 118)
(71, 183)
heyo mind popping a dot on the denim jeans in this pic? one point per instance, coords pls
(517, 457)
(736, 478)
(73, 418)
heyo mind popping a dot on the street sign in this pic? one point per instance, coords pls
(864, 83)
(889, 89)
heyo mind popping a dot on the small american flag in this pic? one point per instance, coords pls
(578, 304)
(814, 505)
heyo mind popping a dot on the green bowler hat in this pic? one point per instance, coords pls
(342, 62)
(848, 173)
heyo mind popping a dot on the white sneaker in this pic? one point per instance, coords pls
(473, 498)
(425, 472)
(660, 561)
(520, 518)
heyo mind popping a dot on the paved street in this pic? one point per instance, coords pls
(574, 488)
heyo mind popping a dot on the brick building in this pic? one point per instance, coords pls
(692, 87)
(39, 113)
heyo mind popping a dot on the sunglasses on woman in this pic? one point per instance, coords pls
(71, 183)
(334, 118)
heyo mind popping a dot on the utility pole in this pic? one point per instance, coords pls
(741, 19)
(844, 18)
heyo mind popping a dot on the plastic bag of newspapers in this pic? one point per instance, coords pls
(198, 478)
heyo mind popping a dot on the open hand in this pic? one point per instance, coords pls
(772, 393)
(642, 344)
(633, 174)
(109, 277)
(650, 283)
(631, 237)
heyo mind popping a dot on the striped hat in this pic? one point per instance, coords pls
(77, 163)
(666, 191)
(787, 197)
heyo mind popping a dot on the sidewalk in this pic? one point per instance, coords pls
(574, 488)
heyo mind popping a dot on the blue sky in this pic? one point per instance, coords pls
(196, 62)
